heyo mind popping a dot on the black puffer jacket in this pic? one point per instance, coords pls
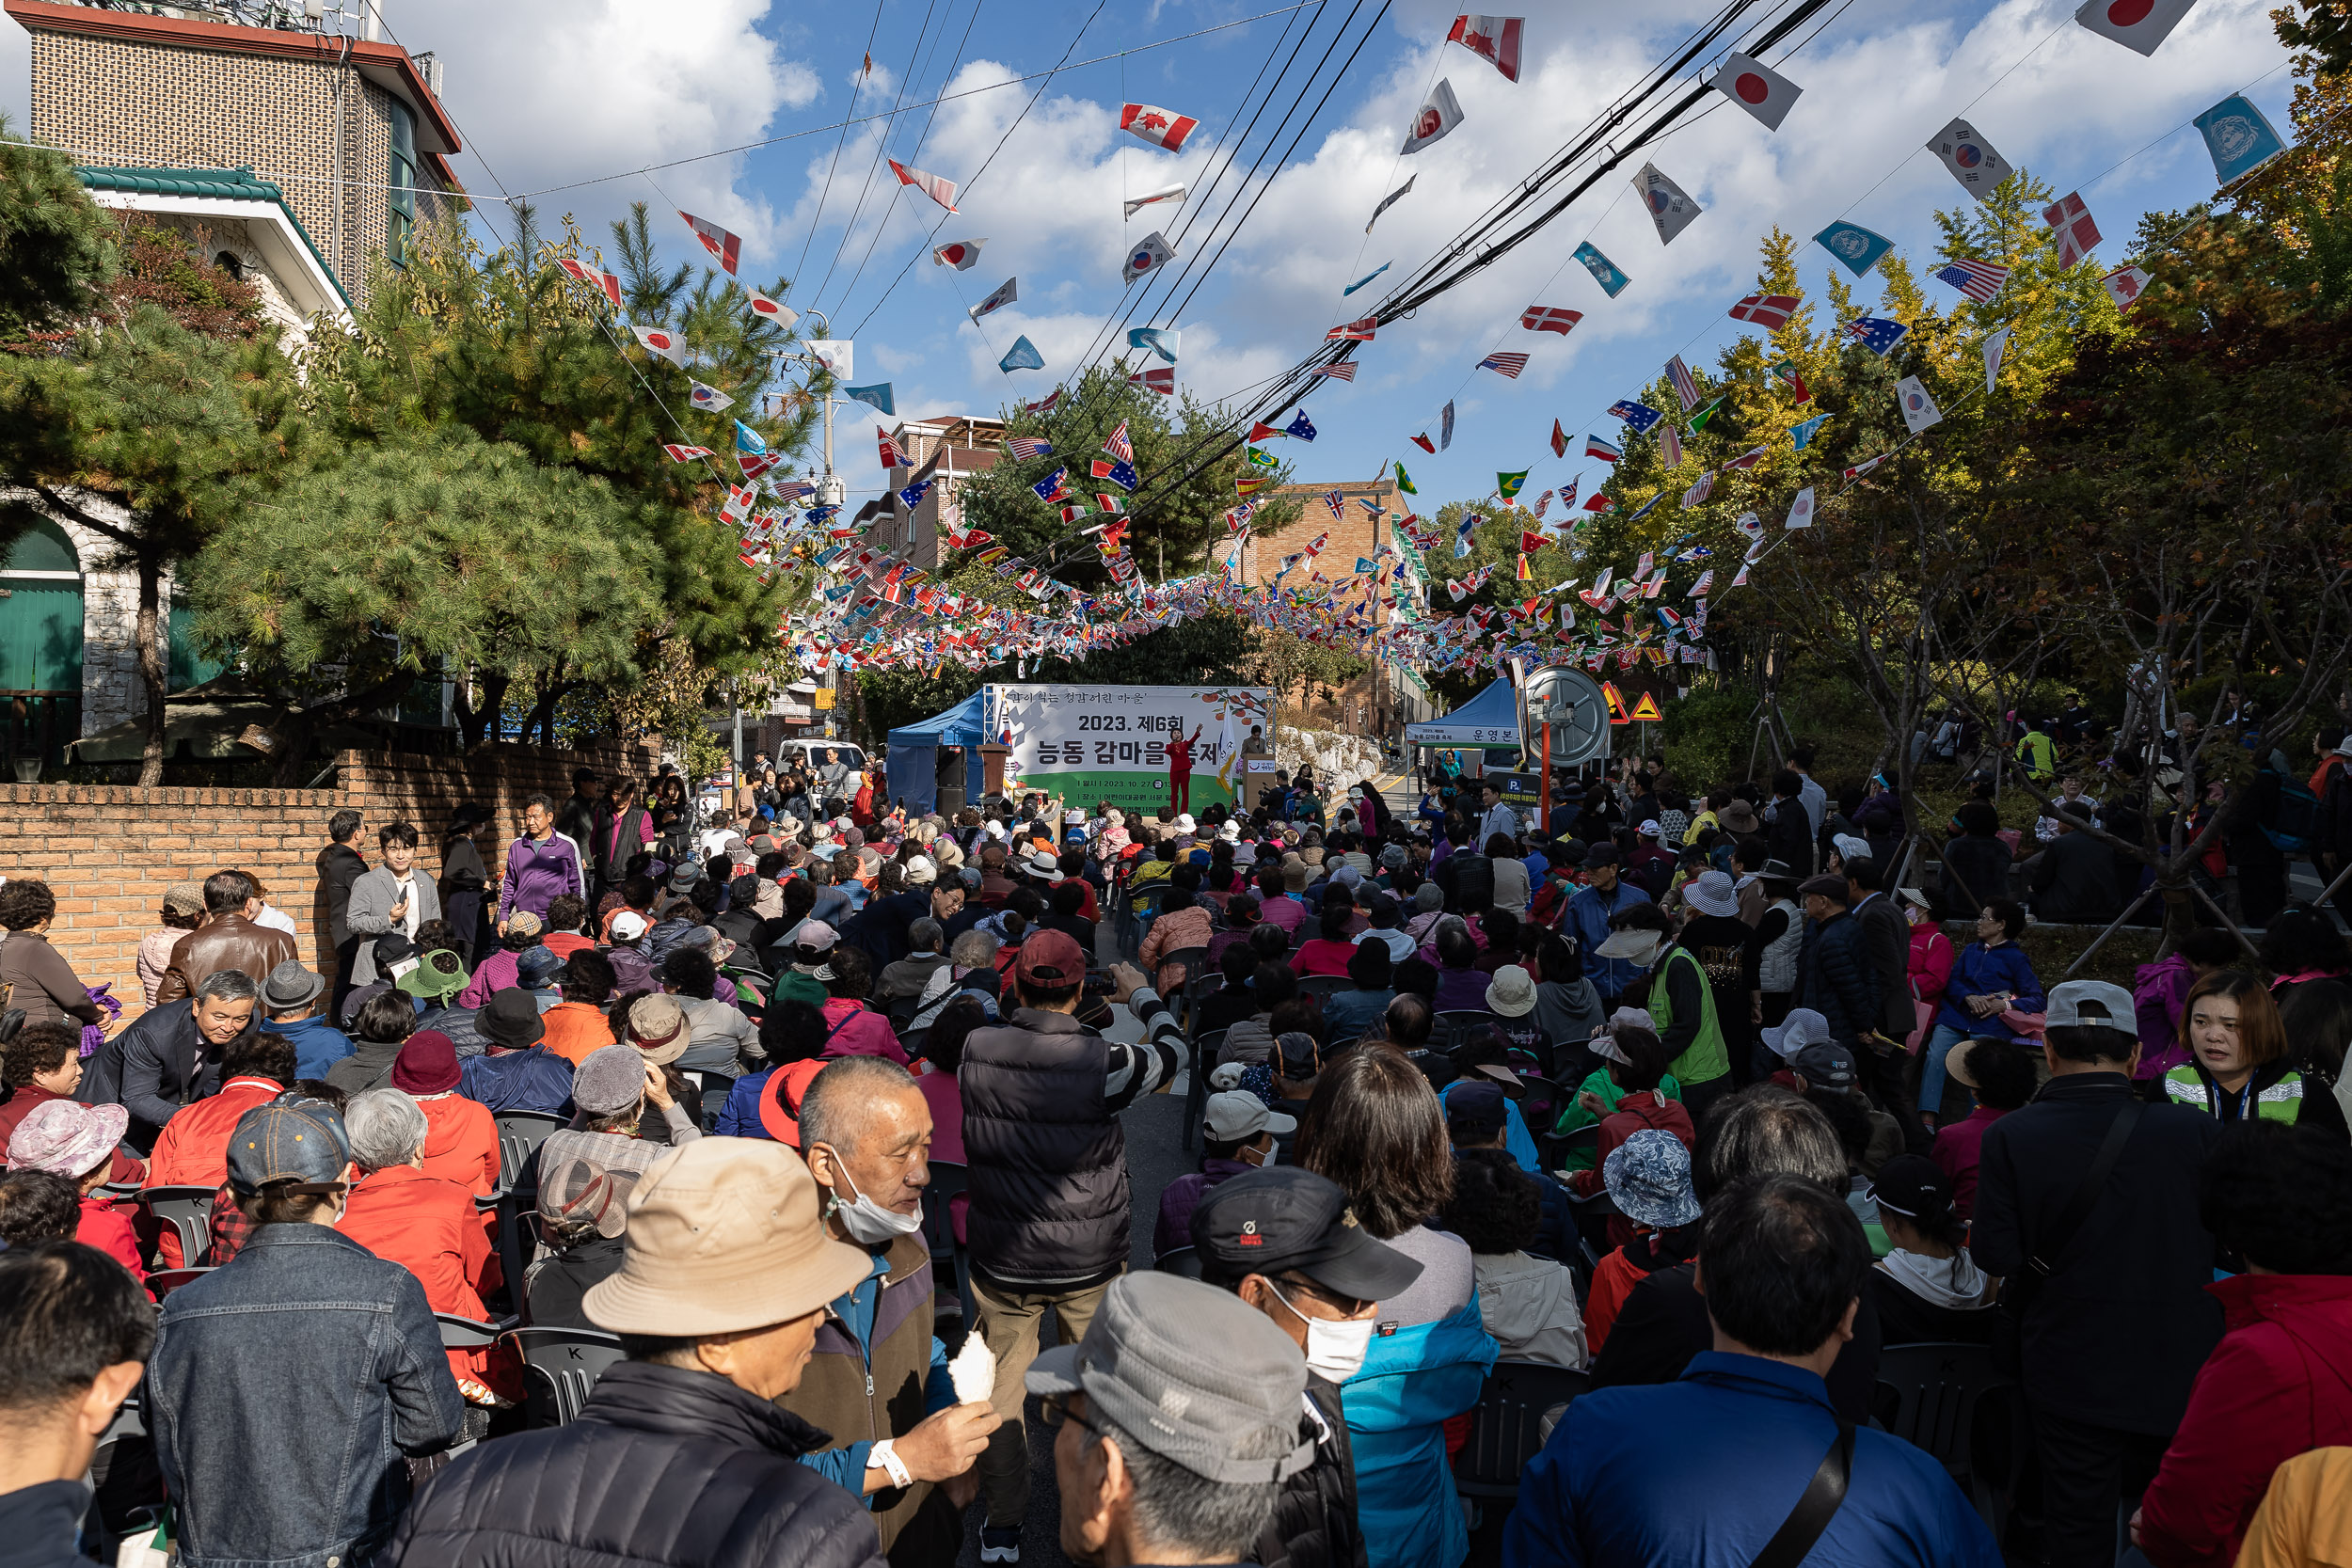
(1836, 979)
(663, 1467)
(1313, 1525)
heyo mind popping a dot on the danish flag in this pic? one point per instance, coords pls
(1768, 311)
(1545, 318)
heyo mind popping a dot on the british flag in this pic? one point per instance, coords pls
(1505, 365)
(1117, 444)
(1979, 280)
(1338, 505)
(1027, 447)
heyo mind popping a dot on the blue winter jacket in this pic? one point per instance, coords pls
(1589, 912)
(1397, 1405)
(1981, 970)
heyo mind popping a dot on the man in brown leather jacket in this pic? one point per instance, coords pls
(229, 938)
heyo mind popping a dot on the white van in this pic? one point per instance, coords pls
(810, 754)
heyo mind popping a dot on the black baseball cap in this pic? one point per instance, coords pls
(1286, 1219)
(1477, 1110)
(1911, 1185)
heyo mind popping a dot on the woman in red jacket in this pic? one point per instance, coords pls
(2279, 1382)
(75, 1141)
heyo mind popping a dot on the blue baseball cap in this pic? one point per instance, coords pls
(302, 1146)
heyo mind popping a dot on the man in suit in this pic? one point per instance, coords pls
(397, 895)
(1886, 943)
(339, 864)
(170, 1056)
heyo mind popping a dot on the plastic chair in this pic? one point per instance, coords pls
(560, 1367)
(1507, 1426)
(189, 1211)
(1192, 963)
(1553, 1149)
(715, 1089)
(949, 1181)
(1324, 985)
(1183, 1261)
(1143, 904)
(162, 1282)
(1197, 1081)
(1927, 1395)
(1447, 1029)
(519, 1133)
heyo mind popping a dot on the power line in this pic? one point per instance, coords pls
(819, 215)
(881, 141)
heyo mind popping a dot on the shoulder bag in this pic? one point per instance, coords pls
(2017, 1294)
(1822, 1497)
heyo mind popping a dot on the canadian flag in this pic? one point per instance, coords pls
(2139, 26)
(773, 309)
(726, 249)
(679, 453)
(1158, 126)
(941, 191)
(605, 282)
(1494, 37)
(1758, 89)
(2124, 285)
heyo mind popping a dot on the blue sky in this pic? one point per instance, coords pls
(553, 92)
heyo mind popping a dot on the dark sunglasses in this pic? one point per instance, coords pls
(1055, 1410)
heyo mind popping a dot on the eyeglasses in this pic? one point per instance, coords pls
(1056, 1409)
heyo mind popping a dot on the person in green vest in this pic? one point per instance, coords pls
(2038, 751)
(1681, 1004)
(2239, 1067)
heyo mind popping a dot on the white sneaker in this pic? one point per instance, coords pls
(1000, 1543)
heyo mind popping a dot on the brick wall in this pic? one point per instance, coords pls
(108, 851)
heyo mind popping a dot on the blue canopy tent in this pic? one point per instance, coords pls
(1489, 718)
(914, 754)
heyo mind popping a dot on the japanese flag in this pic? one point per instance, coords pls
(1919, 410)
(2140, 26)
(1496, 38)
(941, 191)
(771, 310)
(1439, 115)
(959, 254)
(663, 342)
(1758, 89)
(1158, 126)
(1970, 158)
(724, 248)
(1800, 510)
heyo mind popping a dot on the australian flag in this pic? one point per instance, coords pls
(1638, 416)
(911, 497)
(1876, 333)
(1051, 486)
(1300, 427)
(1121, 474)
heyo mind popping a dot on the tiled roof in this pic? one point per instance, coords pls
(217, 184)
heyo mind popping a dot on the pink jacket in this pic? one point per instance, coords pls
(2159, 991)
(860, 1031)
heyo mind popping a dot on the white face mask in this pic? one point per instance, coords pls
(1335, 1350)
(867, 1222)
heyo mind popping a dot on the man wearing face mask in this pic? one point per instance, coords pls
(1285, 1242)
(879, 1381)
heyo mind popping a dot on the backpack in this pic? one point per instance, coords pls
(2296, 821)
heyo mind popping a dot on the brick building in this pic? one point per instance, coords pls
(1374, 702)
(289, 155)
(345, 135)
(964, 446)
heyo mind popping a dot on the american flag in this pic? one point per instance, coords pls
(1687, 389)
(1699, 492)
(1979, 280)
(1545, 318)
(1027, 447)
(1505, 365)
(1117, 444)
(1344, 370)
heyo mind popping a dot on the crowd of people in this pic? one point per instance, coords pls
(1683, 1098)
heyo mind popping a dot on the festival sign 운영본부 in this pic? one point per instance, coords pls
(1138, 746)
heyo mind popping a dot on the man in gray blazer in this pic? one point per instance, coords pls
(397, 895)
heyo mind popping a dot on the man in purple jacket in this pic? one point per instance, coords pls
(541, 866)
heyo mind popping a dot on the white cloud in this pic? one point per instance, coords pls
(550, 91)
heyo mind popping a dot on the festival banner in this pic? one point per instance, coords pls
(1088, 744)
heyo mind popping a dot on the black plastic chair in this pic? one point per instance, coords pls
(1448, 1028)
(1553, 1149)
(715, 1089)
(949, 1181)
(189, 1211)
(1929, 1395)
(1192, 964)
(1324, 985)
(1507, 1426)
(469, 1333)
(560, 1367)
(1183, 1262)
(1197, 1081)
(519, 1133)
